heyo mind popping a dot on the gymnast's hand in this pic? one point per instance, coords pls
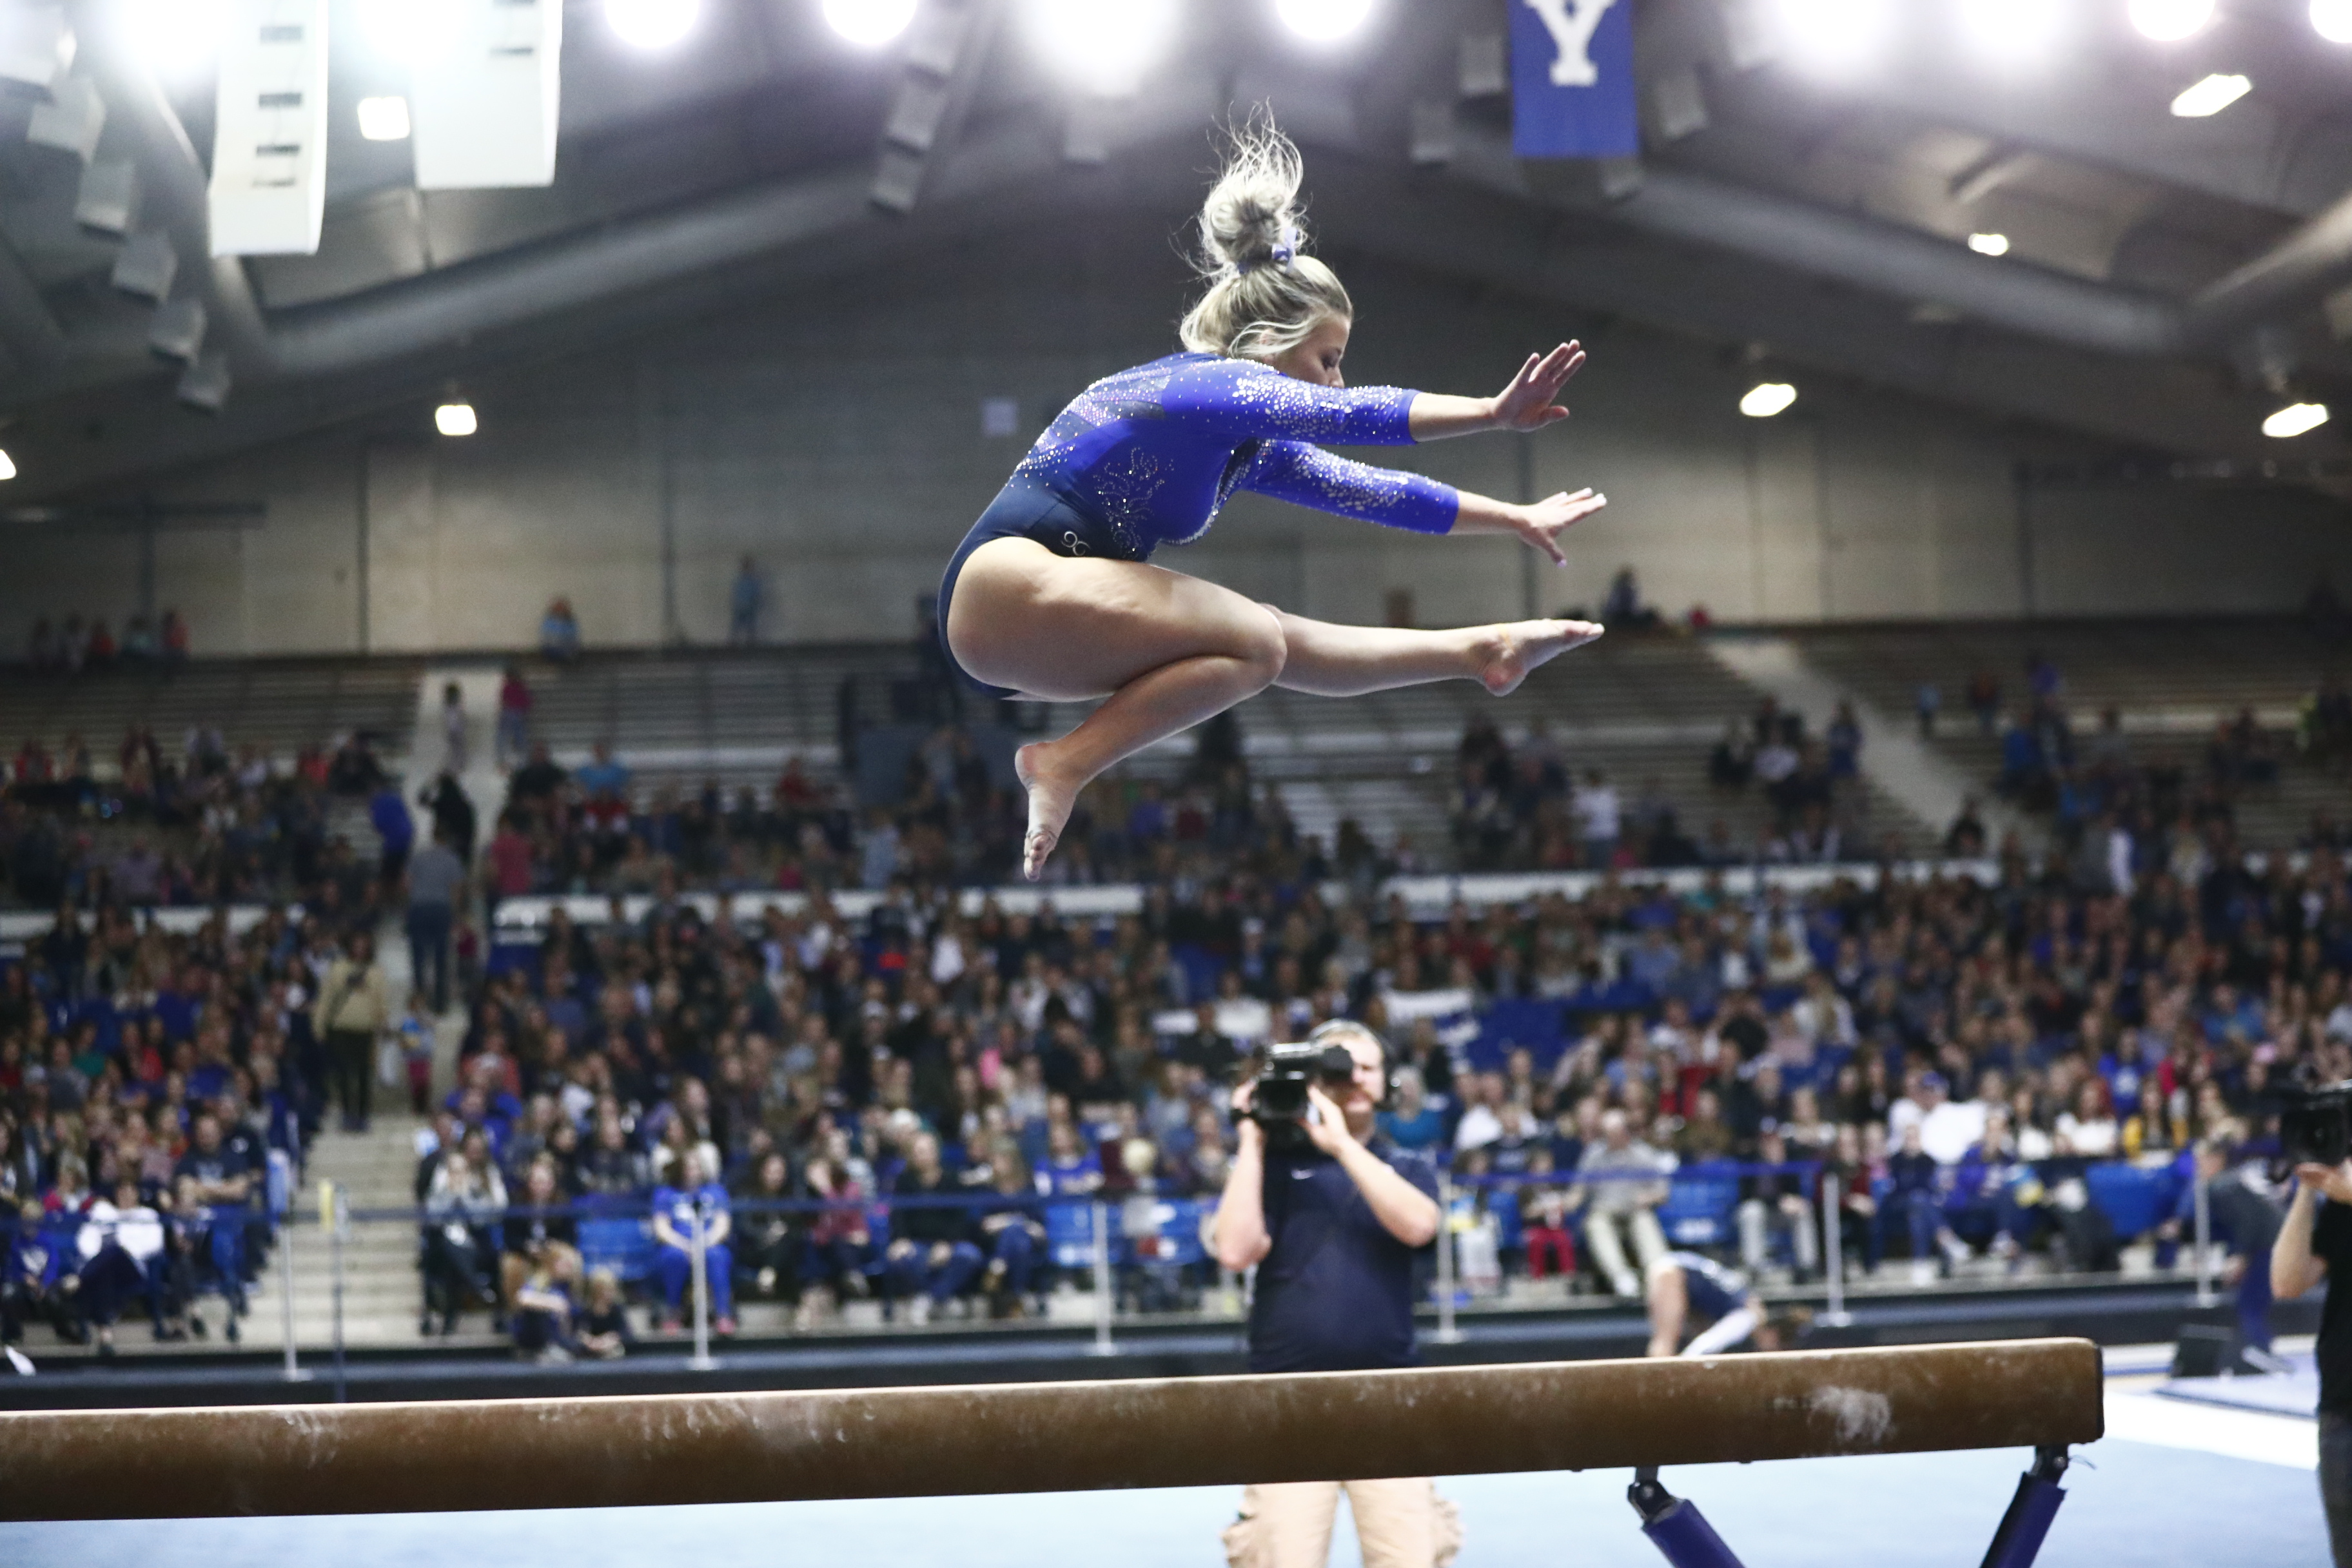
(1527, 404)
(1542, 524)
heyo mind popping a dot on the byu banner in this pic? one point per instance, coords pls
(1572, 78)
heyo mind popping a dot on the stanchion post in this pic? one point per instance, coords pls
(2206, 1295)
(702, 1359)
(341, 1212)
(1103, 1345)
(1448, 1331)
(293, 1372)
(1833, 1314)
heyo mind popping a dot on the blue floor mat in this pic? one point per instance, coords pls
(2143, 1506)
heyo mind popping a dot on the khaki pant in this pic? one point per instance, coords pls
(1600, 1237)
(1399, 1524)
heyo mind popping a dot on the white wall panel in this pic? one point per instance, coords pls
(485, 115)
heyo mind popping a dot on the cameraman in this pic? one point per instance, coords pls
(1332, 1230)
(2311, 1248)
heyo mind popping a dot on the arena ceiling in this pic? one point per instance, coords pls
(2168, 283)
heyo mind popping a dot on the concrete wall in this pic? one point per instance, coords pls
(836, 437)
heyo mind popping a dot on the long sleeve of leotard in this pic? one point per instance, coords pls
(1308, 475)
(1245, 400)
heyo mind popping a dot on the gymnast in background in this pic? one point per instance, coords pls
(1050, 596)
(1688, 1285)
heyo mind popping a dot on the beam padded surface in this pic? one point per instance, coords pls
(1059, 1436)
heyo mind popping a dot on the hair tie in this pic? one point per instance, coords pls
(1284, 251)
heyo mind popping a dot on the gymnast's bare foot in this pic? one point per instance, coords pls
(1053, 796)
(1508, 654)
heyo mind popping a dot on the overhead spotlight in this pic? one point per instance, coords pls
(2332, 20)
(652, 23)
(2168, 21)
(1323, 21)
(869, 24)
(7, 467)
(411, 32)
(2211, 96)
(1767, 398)
(455, 419)
(175, 39)
(1834, 36)
(383, 119)
(1105, 49)
(1989, 244)
(2295, 419)
(2013, 32)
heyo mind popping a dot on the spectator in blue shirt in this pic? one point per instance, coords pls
(38, 1280)
(559, 632)
(388, 814)
(1913, 1205)
(743, 606)
(1412, 1123)
(602, 773)
(675, 1218)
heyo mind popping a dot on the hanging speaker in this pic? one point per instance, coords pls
(270, 136)
(483, 113)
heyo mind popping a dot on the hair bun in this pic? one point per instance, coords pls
(1251, 214)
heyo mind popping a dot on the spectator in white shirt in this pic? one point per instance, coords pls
(1947, 1129)
(2088, 1126)
(1621, 1209)
(1597, 819)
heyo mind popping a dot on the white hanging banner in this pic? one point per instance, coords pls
(483, 113)
(270, 136)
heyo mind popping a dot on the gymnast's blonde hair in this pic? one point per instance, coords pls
(1265, 294)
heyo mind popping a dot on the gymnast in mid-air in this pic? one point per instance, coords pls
(1050, 595)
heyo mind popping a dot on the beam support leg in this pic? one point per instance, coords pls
(2019, 1539)
(1674, 1525)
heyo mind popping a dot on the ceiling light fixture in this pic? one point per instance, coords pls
(2295, 419)
(1834, 36)
(652, 23)
(2168, 21)
(2013, 32)
(2332, 20)
(1323, 21)
(1989, 244)
(1105, 49)
(1767, 398)
(7, 467)
(2211, 96)
(455, 419)
(175, 39)
(869, 24)
(383, 119)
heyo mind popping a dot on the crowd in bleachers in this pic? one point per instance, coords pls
(200, 825)
(1964, 1057)
(1524, 807)
(74, 645)
(156, 1094)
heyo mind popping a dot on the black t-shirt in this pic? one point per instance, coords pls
(1335, 1292)
(2331, 1243)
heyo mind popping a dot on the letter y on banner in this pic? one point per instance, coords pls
(1572, 79)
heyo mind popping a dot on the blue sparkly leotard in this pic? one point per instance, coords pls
(1149, 456)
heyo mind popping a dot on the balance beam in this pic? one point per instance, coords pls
(1050, 1437)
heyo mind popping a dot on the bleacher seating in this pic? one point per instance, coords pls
(279, 704)
(2171, 680)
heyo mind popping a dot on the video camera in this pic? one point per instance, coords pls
(2316, 1124)
(1278, 1094)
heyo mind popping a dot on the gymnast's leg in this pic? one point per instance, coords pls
(1669, 1304)
(1349, 661)
(1168, 651)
